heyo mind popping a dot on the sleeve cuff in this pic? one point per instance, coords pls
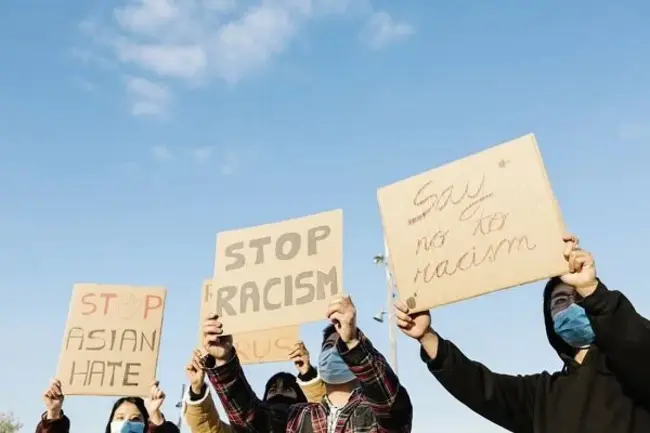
(224, 373)
(304, 382)
(438, 363)
(358, 354)
(596, 303)
(309, 376)
(192, 399)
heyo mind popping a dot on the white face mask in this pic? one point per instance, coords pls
(127, 427)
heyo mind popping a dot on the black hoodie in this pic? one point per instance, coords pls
(608, 393)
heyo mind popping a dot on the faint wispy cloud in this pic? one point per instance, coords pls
(147, 97)
(161, 153)
(382, 30)
(193, 41)
(202, 154)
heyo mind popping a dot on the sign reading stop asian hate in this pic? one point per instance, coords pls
(111, 340)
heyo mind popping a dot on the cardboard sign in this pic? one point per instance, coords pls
(272, 345)
(276, 275)
(480, 224)
(111, 341)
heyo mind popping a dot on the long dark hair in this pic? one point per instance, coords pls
(138, 402)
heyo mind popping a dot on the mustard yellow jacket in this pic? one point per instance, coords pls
(202, 417)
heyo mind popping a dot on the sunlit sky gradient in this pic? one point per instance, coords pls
(130, 137)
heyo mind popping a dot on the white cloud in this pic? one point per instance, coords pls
(161, 153)
(202, 154)
(382, 29)
(147, 98)
(192, 41)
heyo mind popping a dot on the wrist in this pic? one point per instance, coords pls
(197, 388)
(156, 417)
(428, 336)
(220, 362)
(587, 289)
(53, 414)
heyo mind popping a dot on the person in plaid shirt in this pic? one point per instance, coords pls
(363, 393)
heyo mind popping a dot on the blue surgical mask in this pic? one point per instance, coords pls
(333, 369)
(572, 325)
(127, 427)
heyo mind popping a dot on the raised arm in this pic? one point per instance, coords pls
(308, 378)
(53, 420)
(246, 412)
(201, 413)
(388, 399)
(623, 335)
(198, 407)
(507, 401)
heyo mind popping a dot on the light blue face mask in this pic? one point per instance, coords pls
(572, 325)
(127, 427)
(333, 369)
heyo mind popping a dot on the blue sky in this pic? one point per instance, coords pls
(130, 133)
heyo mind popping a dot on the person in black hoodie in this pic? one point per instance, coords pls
(604, 343)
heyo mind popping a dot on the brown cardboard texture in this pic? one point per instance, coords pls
(259, 347)
(271, 345)
(276, 275)
(477, 225)
(111, 340)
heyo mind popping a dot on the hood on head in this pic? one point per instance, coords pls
(285, 381)
(564, 350)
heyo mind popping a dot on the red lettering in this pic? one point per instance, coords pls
(84, 301)
(107, 297)
(149, 306)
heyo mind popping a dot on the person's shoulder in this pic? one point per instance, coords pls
(300, 408)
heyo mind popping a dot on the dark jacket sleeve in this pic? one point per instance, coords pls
(507, 401)
(165, 427)
(623, 335)
(246, 412)
(61, 425)
(388, 399)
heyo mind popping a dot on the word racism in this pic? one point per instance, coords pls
(107, 354)
(472, 200)
(281, 290)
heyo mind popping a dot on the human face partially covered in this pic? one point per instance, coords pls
(127, 411)
(278, 389)
(562, 297)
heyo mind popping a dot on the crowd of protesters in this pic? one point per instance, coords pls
(604, 386)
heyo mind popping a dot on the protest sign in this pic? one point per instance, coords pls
(480, 224)
(271, 345)
(276, 275)
(111, 341)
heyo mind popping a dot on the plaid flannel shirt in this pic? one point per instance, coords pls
(379, 405)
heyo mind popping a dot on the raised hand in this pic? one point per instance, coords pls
(415, 325)
(156, 399)
(219, 346)
(300, 357)
(53, 399)
(343, 315)
(582, 267)
(195, 373)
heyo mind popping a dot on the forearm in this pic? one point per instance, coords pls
(245, 411)
(381, 387)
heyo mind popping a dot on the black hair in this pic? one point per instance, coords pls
(286, 381)
(138, 402)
